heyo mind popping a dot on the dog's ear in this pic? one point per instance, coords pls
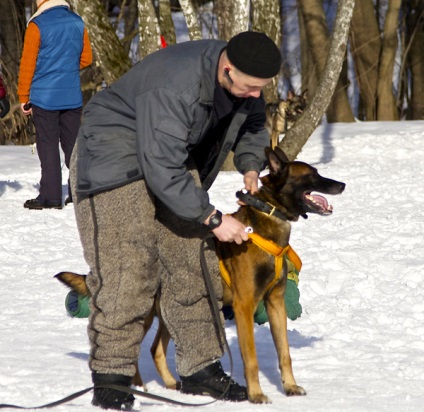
(277, 162)
(281, 155)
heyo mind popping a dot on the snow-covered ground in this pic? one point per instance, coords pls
(359, 345)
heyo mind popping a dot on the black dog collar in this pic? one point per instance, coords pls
(260, 205)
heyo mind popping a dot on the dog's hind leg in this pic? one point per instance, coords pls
(243, 310)
(277, 316)
(158, 351)
(137, 380)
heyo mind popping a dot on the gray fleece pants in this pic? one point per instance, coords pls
(136, 247)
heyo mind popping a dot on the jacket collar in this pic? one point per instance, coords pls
(48, 4)
(209, 69)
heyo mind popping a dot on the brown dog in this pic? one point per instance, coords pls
(281, 116)
(286, 194)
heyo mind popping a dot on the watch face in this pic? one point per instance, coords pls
(215, 220)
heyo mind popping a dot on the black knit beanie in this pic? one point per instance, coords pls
(254, 54)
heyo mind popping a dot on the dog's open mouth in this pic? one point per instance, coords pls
(317, 203)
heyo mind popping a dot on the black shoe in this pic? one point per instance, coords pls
(108, 398)
(68, 200)
(213, 381)
(37, 205)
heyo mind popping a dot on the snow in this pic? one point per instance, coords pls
(359, 345)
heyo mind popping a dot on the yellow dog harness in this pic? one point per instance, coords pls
(278, 252)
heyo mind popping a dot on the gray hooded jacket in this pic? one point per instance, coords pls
(146, 124)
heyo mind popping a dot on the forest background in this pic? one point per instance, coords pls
(380, 76)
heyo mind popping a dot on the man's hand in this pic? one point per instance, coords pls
(251, 179)
(251, 184)
(230, 230)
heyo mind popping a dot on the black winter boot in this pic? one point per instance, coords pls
(213, 381)
(108, 398)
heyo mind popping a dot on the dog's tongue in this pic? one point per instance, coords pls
(321, 200)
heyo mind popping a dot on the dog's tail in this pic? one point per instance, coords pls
(74, 281)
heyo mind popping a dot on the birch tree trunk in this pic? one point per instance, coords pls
(266, 17)
(299, 134)
(240, 17)
(110, 56)
(190, 14)
(148, 27)
(386, 101)
(233, 17)
(238, 20)
(166, 23)
(222, 10)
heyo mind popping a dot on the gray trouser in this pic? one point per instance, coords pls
(136, 247)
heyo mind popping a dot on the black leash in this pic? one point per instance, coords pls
(49, 405)
(217, 314)
(120, 388)
(214, 301)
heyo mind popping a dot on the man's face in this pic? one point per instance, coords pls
(242, 85)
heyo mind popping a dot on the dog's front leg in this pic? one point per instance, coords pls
(243, 312)
(277, 316)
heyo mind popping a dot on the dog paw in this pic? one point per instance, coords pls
(294, 390)
(173, 386)
(259, 398)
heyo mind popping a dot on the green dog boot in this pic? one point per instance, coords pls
(76, 305)
(260, 317)
(292, 295)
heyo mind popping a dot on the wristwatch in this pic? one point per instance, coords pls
(215, 220)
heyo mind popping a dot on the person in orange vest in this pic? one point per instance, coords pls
(56, 47)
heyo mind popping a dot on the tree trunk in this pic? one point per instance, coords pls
(190, 14)
(339, 109)
(415, 59)
(232, 17)
(129, 12)
(365, 46)
(14, 127)
(149, 28)
(309, 75)
(110, 56)
(299, 134)
(267, 18)
(222, 10)
(12, 29)
(386, 102)
(238, 22)
(166, 23)
(240, 16)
